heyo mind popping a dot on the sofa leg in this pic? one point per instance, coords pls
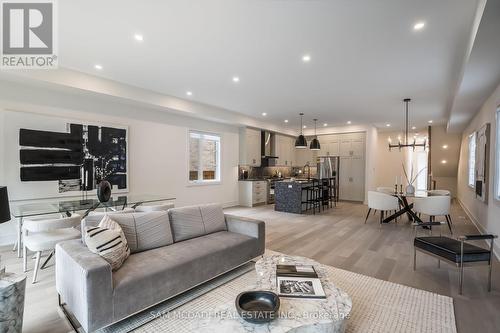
(74, 325)
(414, 259)
(461, 280)
(489, 275)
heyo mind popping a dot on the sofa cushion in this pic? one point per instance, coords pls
(213, 218)
(186, 222)
(108, 241)
(153, 276)
(152, 230)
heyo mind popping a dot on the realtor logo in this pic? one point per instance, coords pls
(28, 34)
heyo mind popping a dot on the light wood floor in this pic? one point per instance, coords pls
(337, 237)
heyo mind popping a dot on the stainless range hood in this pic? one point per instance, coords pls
(268, 148)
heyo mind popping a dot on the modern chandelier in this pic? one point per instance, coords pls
(406, 143)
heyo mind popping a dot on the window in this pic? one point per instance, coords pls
(472, 159)
(204, 157)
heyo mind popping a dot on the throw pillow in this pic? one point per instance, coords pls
(108, 241)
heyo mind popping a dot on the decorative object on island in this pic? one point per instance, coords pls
(257, 306)
(4, 216)
(315, 142)
(12, 286)
(77, 159)
(410, 189)
(301, 141)
(104, 191)
(406, 143)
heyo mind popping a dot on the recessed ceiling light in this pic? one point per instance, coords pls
(98, 67)
(304, 126)
(264, 114)
(306, 58)
(236, 79)
(349, 122)
(325, 124)
(414, 127)
(189, 93)
(139, 37)
(430, 121)
(387, 125)
(419, 26)
(286, 120)
(445, 146)
(443, 162)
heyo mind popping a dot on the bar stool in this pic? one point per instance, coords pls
(315, 195)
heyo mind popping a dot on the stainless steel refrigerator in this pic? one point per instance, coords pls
(328, 168)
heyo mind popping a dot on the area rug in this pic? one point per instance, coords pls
(378, 306)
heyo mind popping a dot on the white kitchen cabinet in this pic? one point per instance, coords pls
(352, 144)
(252, 193)
(352, 178)
(250, 149)
(305, 156)
(329, 145)
(285, 147)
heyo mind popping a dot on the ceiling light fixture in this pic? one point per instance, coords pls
(315, 142)
(419, 26)
(139, 37)
(264, 114)
(443, 162)
(387, 125)
(325, 124)
(286, 120)
(305, 126)
(98, 67)
(414, 127)
(301, 141)
(406, 143)
(430, 121)
(445, 146)
(189, 93)
(236, 79)
(306, 58)
(349, 122)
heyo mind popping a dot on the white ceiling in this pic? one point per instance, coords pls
(365, 55)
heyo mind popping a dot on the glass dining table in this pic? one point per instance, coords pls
(68, 205)
(406, 206)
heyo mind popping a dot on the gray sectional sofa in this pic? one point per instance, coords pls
(203, 243)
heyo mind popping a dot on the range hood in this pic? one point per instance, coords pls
(268, 146)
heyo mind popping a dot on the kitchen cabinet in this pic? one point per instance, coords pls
(252, 193)
(305, 156)
(329, 145)
(285, 147)
(352, 144)
(250, 149)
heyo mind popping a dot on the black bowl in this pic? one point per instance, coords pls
(258, 306)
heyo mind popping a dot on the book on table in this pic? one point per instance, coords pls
(298, 281)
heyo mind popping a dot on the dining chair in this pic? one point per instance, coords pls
(434, 206)
(43, 234)
(434, 193)
(155, 208)
(382, 202)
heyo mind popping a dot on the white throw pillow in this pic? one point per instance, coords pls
(108, 241)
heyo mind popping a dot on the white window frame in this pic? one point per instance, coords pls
(497, 154)
(471, 160)
(218, 173)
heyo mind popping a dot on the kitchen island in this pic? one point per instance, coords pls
(288, 195)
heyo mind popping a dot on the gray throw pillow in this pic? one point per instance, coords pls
(213, 218)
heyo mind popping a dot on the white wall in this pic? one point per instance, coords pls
(484, 215)
(157, 145)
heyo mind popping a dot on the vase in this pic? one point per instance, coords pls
(410, 189)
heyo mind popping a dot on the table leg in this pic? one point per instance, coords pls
(19, 237)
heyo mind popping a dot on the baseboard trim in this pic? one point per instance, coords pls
(479, 226)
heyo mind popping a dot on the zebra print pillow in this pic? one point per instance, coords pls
(108, 241)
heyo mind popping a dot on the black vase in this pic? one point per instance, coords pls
(104, 191)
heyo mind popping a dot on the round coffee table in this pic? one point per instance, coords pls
(325, 315)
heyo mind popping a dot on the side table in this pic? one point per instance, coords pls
(12, 289)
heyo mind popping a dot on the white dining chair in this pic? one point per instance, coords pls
(385, 189)
(433, 206)
(43, 234)
(155, 208)
(382, 202)
(434, 193)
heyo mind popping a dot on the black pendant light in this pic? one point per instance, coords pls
(301, 141)
(315, 142)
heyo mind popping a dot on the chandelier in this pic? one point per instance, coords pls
(406, 143)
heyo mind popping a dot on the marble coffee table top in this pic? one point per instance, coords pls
(329, 314)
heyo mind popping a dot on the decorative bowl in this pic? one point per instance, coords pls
(258, 306)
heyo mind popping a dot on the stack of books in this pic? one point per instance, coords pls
(298, 281)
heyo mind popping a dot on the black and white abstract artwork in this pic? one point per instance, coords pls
(78, 159)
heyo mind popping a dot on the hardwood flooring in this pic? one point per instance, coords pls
(336, 237)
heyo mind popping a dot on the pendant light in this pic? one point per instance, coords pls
(406, 143)
(315, 142)
(301, 141)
